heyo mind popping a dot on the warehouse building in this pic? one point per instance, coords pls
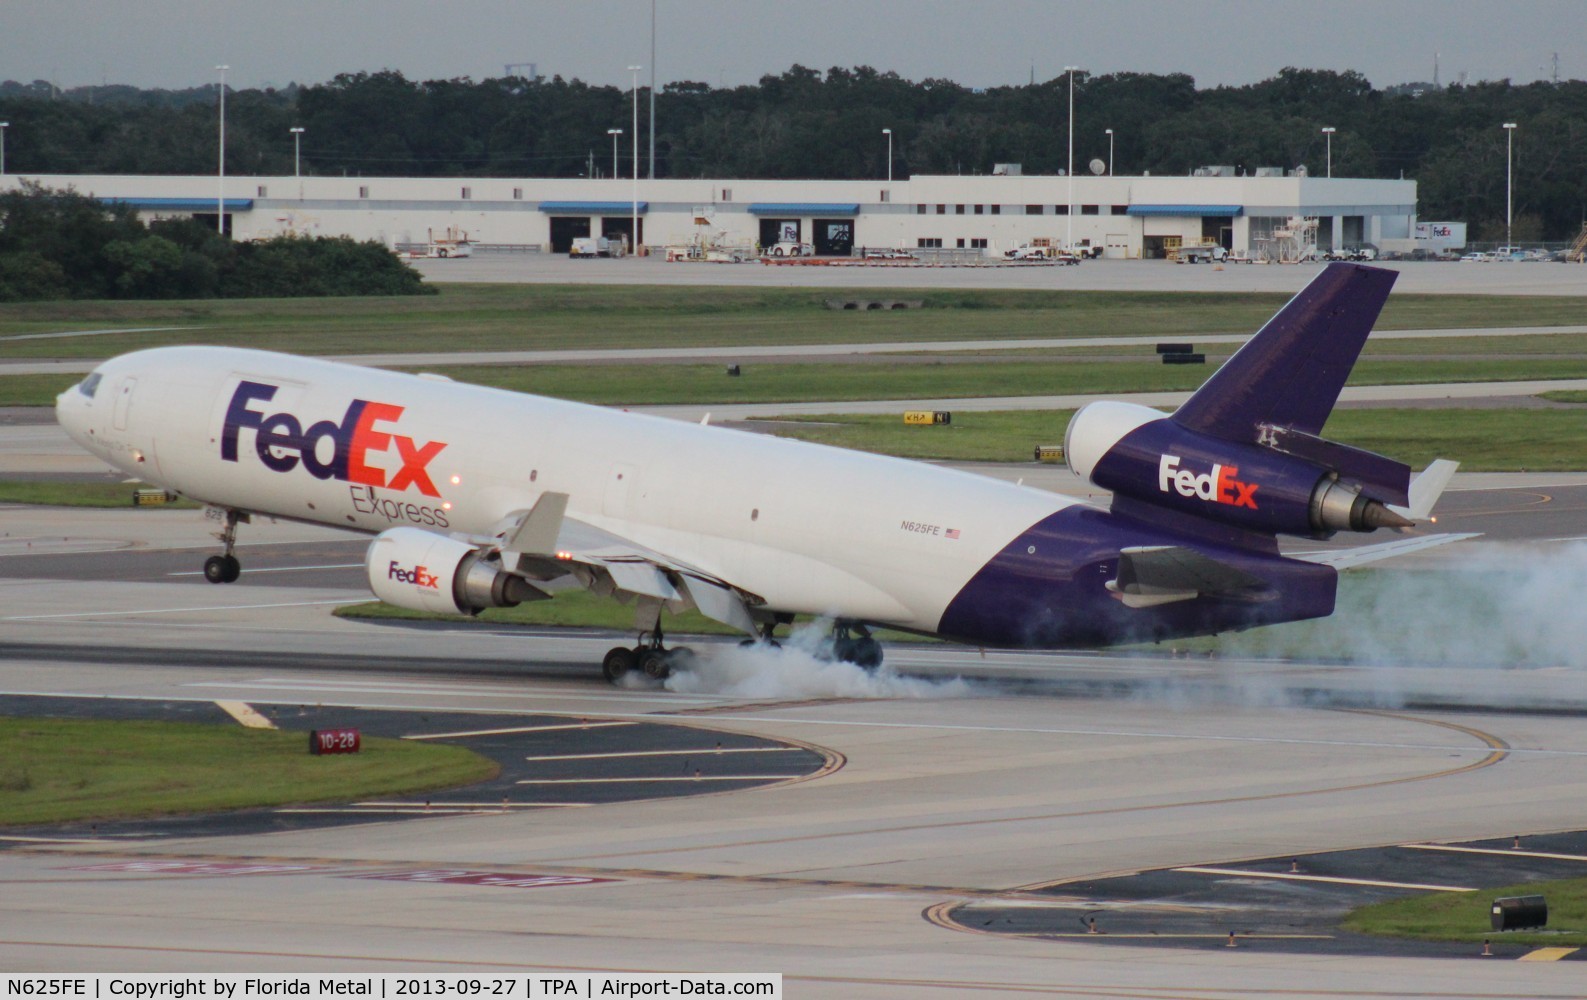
(1128, 217)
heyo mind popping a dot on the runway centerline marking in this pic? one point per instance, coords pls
(1292, 877)
(310, 687)
(177, 611)
(704, 752)
(631, 781)
(516, 729)
(1502, 852)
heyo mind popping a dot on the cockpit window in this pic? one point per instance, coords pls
(89, 385)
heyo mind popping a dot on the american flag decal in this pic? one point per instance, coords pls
(951, 532)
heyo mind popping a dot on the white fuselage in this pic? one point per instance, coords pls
(808, 529)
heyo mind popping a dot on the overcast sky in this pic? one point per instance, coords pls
(176, 43)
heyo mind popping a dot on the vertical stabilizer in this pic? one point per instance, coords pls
(1290, 373)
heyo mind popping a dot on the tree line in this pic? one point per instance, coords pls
(64, 245)
(806, 124)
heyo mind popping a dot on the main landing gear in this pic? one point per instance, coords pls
(852, 643)
(650, 657)
(225, 568)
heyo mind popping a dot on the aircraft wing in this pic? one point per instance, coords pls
(545, 544)
(1363, 554)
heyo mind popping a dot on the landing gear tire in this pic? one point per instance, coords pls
(861, 650)
(222, 569)
(866, 653)
(618, 663)
(655, 663)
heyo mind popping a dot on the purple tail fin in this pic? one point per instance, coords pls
(1290, 373)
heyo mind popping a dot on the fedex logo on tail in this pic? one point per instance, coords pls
(283, 443)
(1219, 485)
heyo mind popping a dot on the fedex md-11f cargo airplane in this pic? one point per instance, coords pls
(482, 498)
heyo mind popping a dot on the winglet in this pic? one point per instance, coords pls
(537, 533)
(1426, 488)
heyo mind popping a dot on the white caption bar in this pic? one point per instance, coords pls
(448, 986)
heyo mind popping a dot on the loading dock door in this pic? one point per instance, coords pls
(567, 228)
(833, 237)
(620, 228)
(1118, 246)
(774, 231)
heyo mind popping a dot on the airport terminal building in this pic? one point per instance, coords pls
(1128, 217)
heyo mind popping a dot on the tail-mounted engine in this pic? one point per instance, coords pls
(1285, 482)
(422, 571)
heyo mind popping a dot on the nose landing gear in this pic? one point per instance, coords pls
(225, 568)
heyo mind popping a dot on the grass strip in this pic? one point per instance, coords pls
(653, 385)
(69, 770)
(527, 317)
(45, 493)
(1500, 440)
(1464, 916)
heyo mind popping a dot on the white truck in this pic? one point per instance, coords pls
(591, 246)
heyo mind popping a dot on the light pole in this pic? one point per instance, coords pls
(889, 133)
(1329, 132)
(1109, 133)
(1069, 238)
(1509, 136)
(652, 174)
(220, 186)
(633, 221)
(614, 133)
(3, 127)
(297, 150)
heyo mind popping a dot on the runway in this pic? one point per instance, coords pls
(965, 781)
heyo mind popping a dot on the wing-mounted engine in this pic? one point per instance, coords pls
(423, 571)
(1283, 482)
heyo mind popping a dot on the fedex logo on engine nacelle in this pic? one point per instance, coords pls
(282, 442)
(419, 576)
(1219, 485)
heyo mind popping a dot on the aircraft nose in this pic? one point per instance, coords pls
(71, 412)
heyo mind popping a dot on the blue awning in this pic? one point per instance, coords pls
(592, 207)
(1186, 210)
(181, 204)
(801, 208)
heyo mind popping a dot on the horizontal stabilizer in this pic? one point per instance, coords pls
(1380, 478)
(1426, 488)
(1151, 575)
(1364, 554)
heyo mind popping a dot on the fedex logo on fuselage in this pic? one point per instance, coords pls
(419, 576)
(283, 443)
(1219, 485)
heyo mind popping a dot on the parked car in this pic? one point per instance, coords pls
(1475, 257)
(790, 249)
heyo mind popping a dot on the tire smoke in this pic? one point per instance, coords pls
(798, 669)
